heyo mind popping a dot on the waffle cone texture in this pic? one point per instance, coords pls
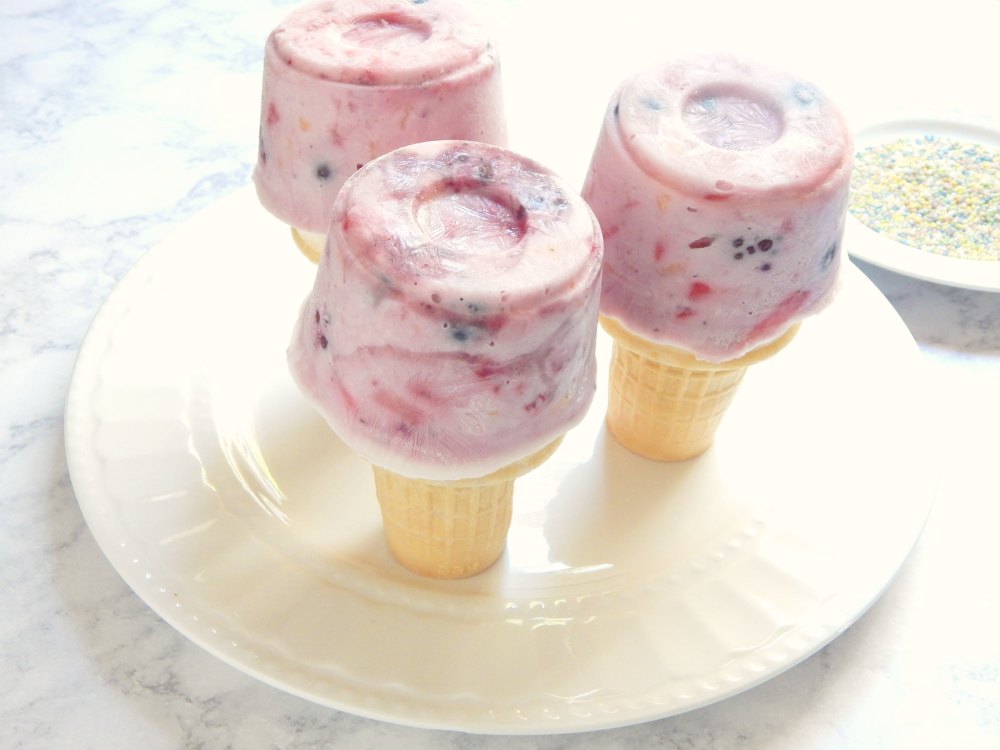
(450, 529)
(308, 245)
(664, 403)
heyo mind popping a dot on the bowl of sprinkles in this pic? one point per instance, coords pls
(925, 201)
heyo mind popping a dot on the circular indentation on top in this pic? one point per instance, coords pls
(723, 129)
(437, 214)
(471, 223)
(387, 31)
(733, 118)
(379, 42)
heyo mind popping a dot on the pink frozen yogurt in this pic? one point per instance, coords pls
(348, 80)
(721, 187)
(451, 327)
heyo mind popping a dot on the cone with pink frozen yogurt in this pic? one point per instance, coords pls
(721, 187)
(450, 338)
(347, 81)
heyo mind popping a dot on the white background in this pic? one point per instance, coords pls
(121, 118)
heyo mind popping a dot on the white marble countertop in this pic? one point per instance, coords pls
(121, 118)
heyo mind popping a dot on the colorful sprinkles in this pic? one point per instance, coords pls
(931, 192)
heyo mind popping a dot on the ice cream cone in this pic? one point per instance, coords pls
(663, 402)
(450, 529)
(310, 244)
(346, 82)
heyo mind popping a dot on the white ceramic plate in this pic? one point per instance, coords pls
(881, 250)
(630, 590)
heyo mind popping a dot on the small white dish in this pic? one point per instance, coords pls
(882, 250)
(630, 590)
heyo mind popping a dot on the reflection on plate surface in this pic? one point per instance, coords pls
(630, 590)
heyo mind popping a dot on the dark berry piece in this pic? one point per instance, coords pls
(492, 323)
(486, 371)
(540, 399)
(322, 341)
(805, 93)
(701, 242)
(272, 114)
(738, 242)
(751, 250)
(766, 267)
(323, 171)
(738, 256)
(764, 245)
(698, 289)
(828, 256)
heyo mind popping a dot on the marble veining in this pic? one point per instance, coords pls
(119, 119)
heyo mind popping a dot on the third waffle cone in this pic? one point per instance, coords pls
(450, 529)
(663, 402)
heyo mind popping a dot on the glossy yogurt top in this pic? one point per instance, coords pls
(380, 42)
(452, 323)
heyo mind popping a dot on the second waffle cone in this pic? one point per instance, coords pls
(663, 402)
